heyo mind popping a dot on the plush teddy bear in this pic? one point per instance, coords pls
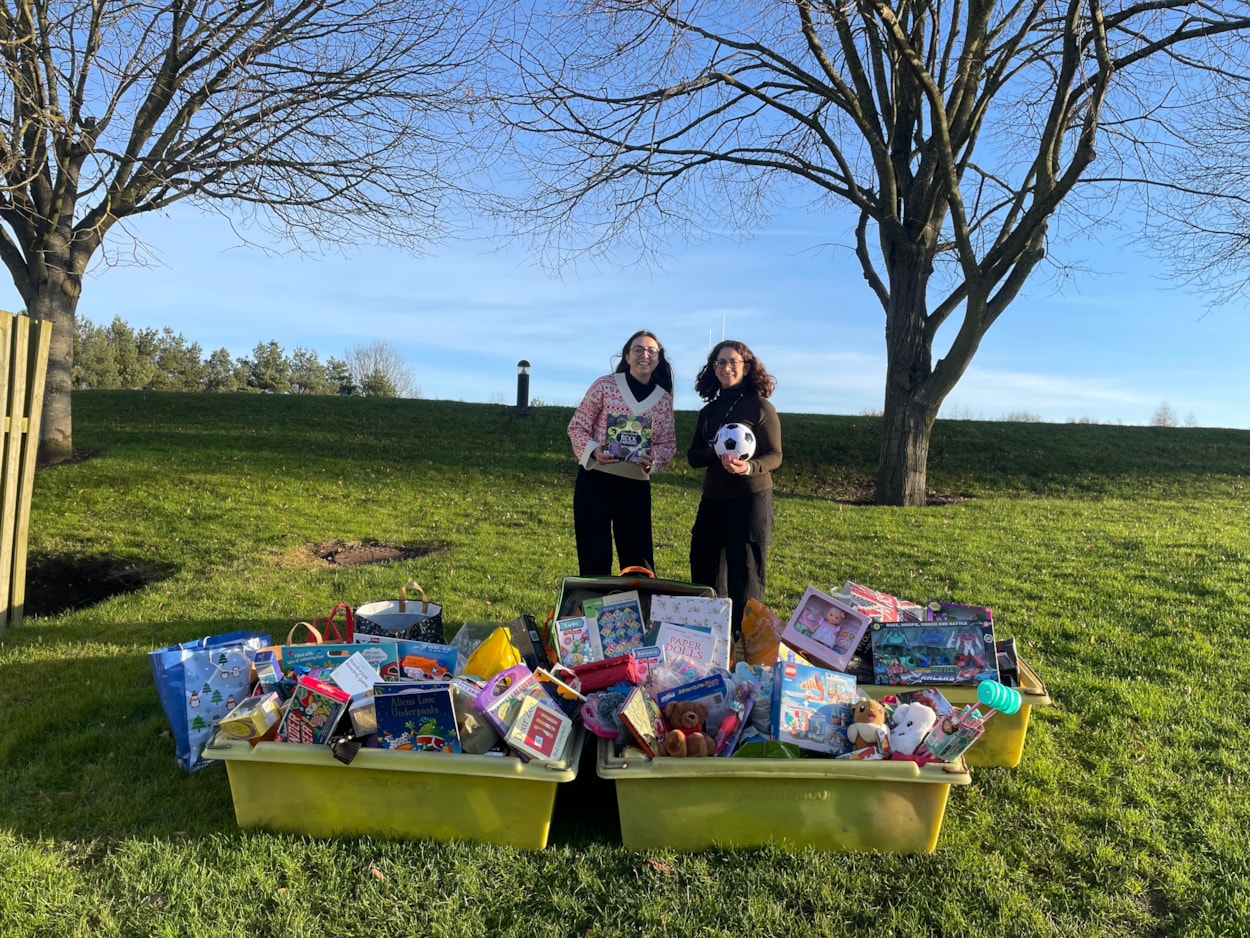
(912, 722)
(686, 738)
(868, 724)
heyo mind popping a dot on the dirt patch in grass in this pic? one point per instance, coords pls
(358, 553)
(56, 583)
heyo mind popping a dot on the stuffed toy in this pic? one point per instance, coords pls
(868, 724)
(912, 722)
(686, 738)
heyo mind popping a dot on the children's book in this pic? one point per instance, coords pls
(712, 613)
(680, 641)
(933, 652)
(577, 641)
(629, 437)
(382, 657)
(825, 629)
(418, 716)
(642, 717)
(541, 731)
(620, 623)
(313, 712)
(811, 707)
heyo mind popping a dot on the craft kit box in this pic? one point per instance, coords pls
(1002, 744)
(830, 805)
(302, 789)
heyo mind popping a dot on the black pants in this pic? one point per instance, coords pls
(729, 548)
(608, 507)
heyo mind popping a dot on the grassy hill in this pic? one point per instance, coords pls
(1119, 557)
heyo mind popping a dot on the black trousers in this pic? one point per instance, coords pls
(729, 548)
(609, 508)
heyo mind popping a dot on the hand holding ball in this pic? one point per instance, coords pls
(735, 439)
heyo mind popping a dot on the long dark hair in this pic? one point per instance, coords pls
(663, 370)
(754, 375)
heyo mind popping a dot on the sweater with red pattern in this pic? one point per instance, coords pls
(611, 394)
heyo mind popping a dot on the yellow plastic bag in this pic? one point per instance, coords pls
(493, 655)
(761, 632)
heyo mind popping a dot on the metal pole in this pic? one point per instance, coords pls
(522, 383)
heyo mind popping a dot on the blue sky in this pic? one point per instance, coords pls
(1110, 347)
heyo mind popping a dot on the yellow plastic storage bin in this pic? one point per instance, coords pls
(302, 789)
(828, 804)
(1002, 743)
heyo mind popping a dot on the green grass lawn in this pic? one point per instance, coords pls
(1119, 557)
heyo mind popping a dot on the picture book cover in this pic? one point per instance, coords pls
(541, 731)
(811, 707)
(312, 713)
(417, 717)
(620, 623)
(577, 641)
(679, 641)
(825, 629)
(713, 613)
(629, 437)
(907, 653)
(641, 715)
(383, 657)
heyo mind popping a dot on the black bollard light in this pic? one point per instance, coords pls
(522, 383)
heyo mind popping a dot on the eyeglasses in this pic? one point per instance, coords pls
(643, 352)
(729, 362)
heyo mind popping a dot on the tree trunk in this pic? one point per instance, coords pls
(56, 300)
(910, 405)
(903, 470)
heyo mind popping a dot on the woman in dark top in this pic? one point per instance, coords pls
(729, 540)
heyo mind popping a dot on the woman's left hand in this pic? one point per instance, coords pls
(646, 462)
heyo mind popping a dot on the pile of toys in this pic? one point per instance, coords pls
(794, 688)
(660, 675)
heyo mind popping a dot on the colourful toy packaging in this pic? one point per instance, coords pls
(825, 629)
(811, 707)
(933, 652)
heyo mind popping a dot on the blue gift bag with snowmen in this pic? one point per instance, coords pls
(198, 683)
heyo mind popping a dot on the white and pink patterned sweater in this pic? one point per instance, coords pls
(611, 394)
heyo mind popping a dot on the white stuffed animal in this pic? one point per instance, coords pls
(912, 723)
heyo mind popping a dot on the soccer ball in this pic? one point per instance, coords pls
(735, 439)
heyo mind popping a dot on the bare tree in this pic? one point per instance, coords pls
(1164, 416)
(379, 370)
(953, 132)
(323, 121)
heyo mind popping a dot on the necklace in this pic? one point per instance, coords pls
(707, 434)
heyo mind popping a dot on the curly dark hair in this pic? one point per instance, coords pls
(663, 370)
(755, 375)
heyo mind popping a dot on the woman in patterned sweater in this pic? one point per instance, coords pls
(622, 434)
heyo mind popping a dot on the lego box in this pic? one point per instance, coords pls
(829, 805)
(302, 789)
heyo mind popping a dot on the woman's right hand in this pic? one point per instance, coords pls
(601, 455)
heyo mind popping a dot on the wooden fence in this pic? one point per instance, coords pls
(23, 367)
